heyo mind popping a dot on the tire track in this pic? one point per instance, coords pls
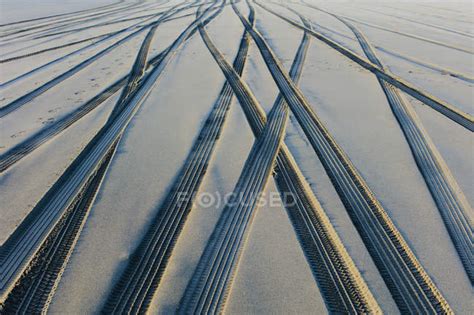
(420, 38)
(105, 38)
(342, 287)
(27, 146)
(62, 58)
(443, 16)
(410, 285)
(35, 290)
(63, 14)
(55, 30)
(22, 246)
(21, 101)
(442, 70)
(22, 149)
(115, 21)
(426, 13)
(135, 289)
(110, 19)
(442, 107)
(212, 279)
(458, 75)
(137, 73)
(55, 25)
(13, 58)
(34, 53)
(450, 30)
(449, 198)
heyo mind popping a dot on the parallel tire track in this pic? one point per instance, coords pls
(35, 290)
(212, 279)
(420, 38)
(410, 285)
(22, 246)
(19, 151)
(138, 70)
(450, 199)
(342, 286)
(83, 28)
(442, 70)
(34, 53)
(56, 33)
(439, 27)
(19, 102)
(455, 74)
(101, 38)
(14, 105)
(428, 13)
(24, 148)
(142, 276)
(431, 41)
(442, 107)
(55, 26)
(41, 51)
(63, 14)
(80, 66)
(114, 17)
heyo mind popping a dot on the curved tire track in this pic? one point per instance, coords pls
(21, 101)
(410, 285)
(54, 25)
(22, 246)
(442, 107)
(212, 279)
(342, 286)
(19, 151)
(442, 70)
(449, 198)
(63, 14)
(142, 276)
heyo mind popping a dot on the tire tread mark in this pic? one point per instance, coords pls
(342, 286)
(410, 285)
(19, 151)
(55, 26)
(21, 247)
(22, 100)
(448, 110)
(35, 289)
(141, 277)
(212, 280)
(62, 14)
(450, 199)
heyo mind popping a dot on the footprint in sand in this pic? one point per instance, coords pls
(18, 134)
(49, 121)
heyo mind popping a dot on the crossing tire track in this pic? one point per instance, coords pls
(21, 150)
(142, 276)
(21, 248)
(442, 107)
(410, 285)
(25, 99)
(343, 288)
(449, 198)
